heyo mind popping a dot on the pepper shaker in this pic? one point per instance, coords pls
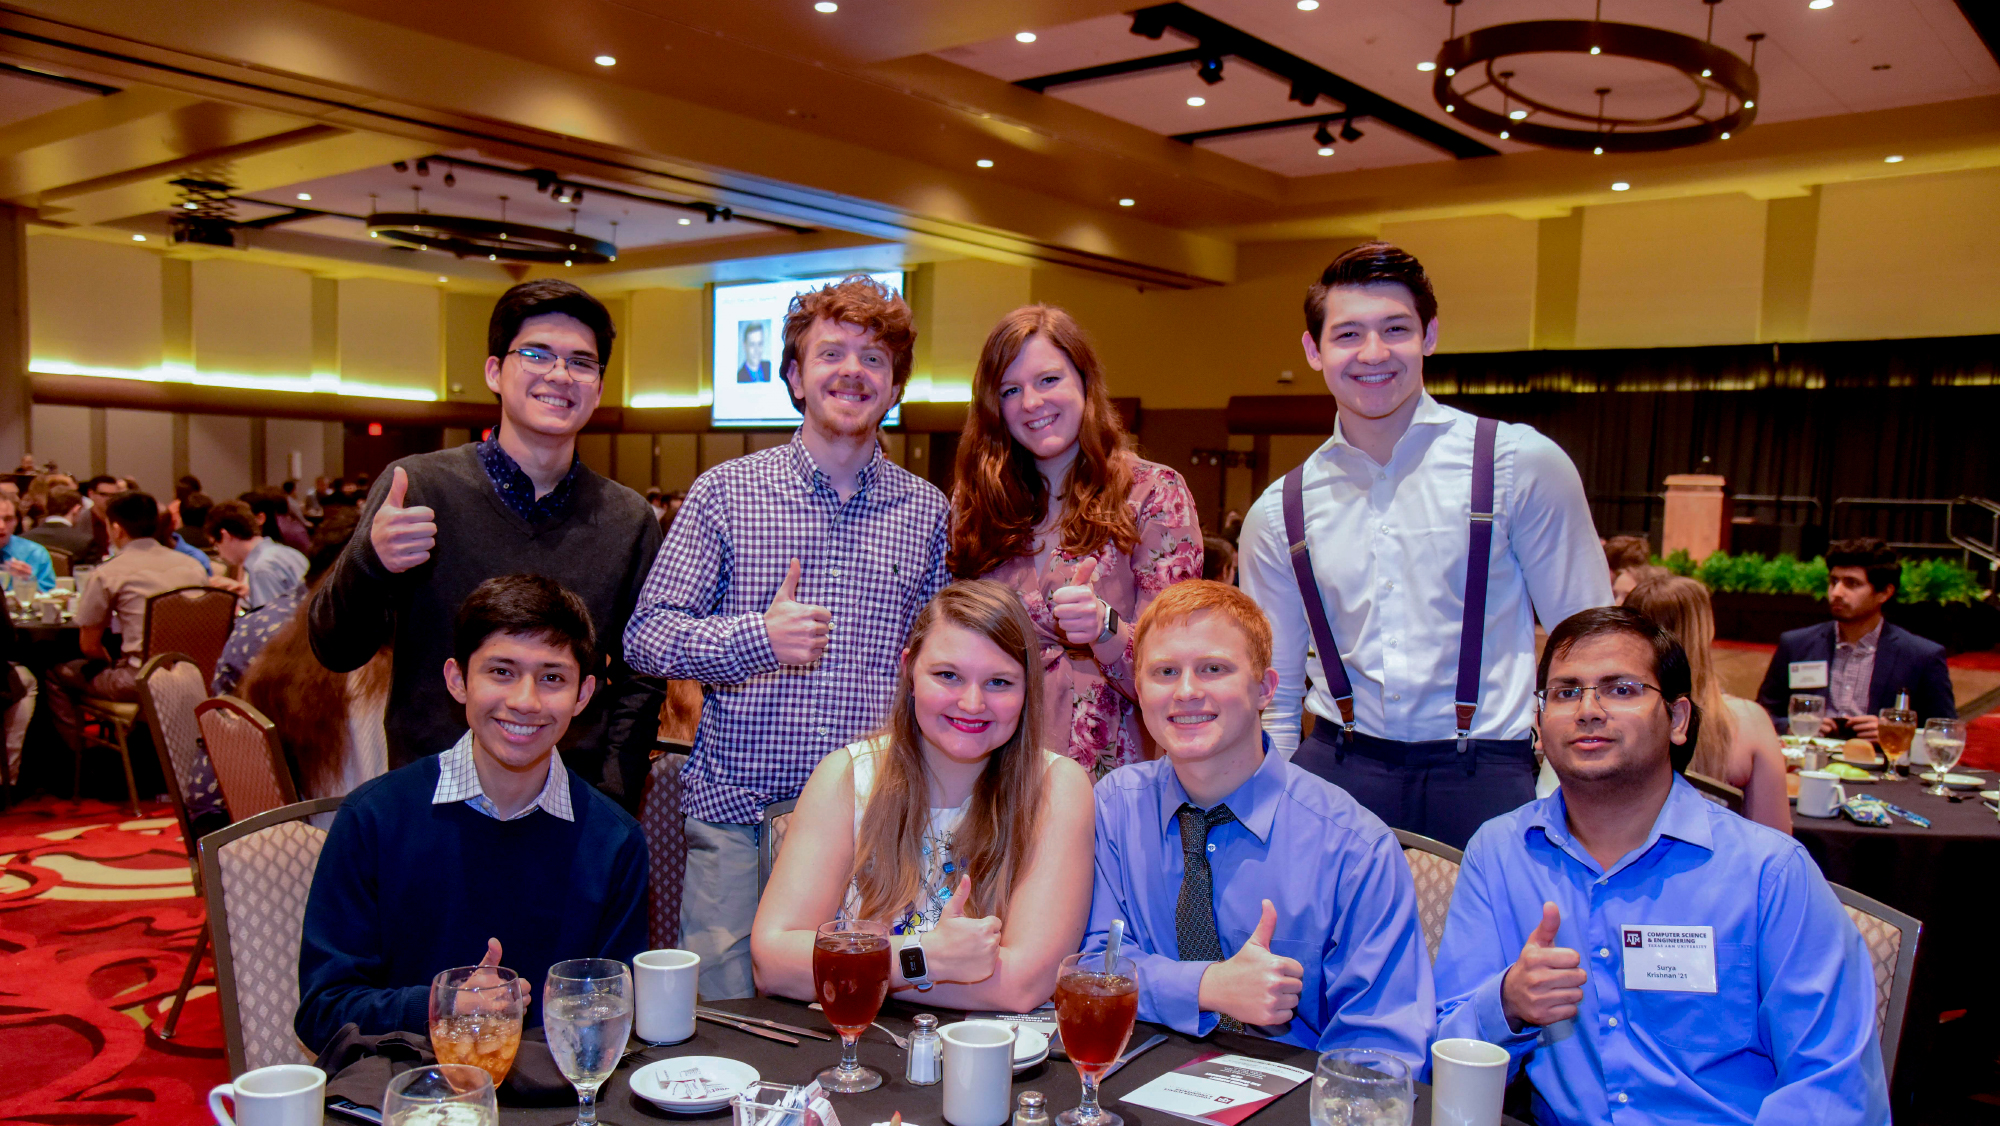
(926, 1053)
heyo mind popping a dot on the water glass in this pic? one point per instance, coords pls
(1944, 741)
(1805, 713)
(587, 1017)
(1362, 1087)
(443, 1094)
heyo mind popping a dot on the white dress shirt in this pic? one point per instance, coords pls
(1388, 548)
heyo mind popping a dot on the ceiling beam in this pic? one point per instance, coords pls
(1985, 20)
(1261, 127)
(1046, 82)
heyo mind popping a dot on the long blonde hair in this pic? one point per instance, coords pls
(1681, 607)
(997, 838)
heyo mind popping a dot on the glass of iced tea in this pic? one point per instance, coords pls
(1096, 1004)
(851, 980)
(476, 1018)
(1895, 729)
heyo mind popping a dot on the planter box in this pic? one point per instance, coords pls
(1959, 627)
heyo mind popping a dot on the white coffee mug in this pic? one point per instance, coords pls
(978, 1072)
(663, 984)
(285, 1094)
(1468, 1082)
(1820, 794)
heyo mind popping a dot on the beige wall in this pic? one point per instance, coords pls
(391, 335)
(218, 453)
(94, 304)
(1671, 273)
(665, 344)
(1918, 256)
(253, 319)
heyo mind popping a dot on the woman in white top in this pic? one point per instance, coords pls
(952, 823)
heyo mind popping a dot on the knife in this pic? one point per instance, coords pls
(792, 1028)
(1152, 1042)
(749, 1028)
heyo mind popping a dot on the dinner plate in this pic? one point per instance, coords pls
(726, 1078)
(1957, 781)
(1990, 795)
(1030, 1048)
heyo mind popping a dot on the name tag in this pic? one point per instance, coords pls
(1675, 959)
(1808, 674)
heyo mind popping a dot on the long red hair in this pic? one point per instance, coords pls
(1000, 494)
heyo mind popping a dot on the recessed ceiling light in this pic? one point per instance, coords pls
(1504, 134)
(1749, 105)
(1620, 186)
(1597, 50)
(1024, 37)
(605, 60)
(1820, 5)
(1197, 101)
(305, 197)
(1892, 160)
(1598, 151)
(1704, 72)
(826, 7)
(1308, 5)
(187, 206)
(567, 262)
(1518, 115)
(1427, 66)
(984, 163)
(1725, 136)
(1326, 150)
(685, 222)
(1126, 202)
(1451, 109)
(138, 238)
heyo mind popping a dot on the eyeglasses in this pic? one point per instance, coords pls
(1618, 696)
(541, 361)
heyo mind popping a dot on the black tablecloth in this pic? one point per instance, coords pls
(924, 1106)
(1943, 876)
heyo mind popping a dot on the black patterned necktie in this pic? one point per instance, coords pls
(1194, 915)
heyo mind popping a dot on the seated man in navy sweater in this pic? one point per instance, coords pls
(427, 865)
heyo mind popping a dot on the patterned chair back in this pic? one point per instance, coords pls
(194, 620)
(170, 688)
(248, 759)
(1891, 938)
(666, 850)
(1434, 867)
(257, 874)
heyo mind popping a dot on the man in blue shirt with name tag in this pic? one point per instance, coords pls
(1223, 845)
(1677, 962)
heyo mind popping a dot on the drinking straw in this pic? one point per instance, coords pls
(1111, 945)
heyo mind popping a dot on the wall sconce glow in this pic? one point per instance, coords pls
(1621, 186)
(984, 163)
(1427, 66)
(1024, 37)
(322, 382)
(1892, 160)
(605, 60)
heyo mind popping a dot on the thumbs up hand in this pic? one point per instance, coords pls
(1078, 612)
(403, 535)
(797, 631)
(1545, 984)
(485, 979)
(962, 948)
(1256, 986)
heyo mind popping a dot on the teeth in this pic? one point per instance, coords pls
(1190, 720)
(1042, 423)
(516, 728)
(553, 401)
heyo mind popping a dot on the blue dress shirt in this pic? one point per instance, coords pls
(1347, 907)
(196, 554)
(1789, 1035)
(35, 556)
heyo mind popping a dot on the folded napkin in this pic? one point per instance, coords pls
(359, 1068)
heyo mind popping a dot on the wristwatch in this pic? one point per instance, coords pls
(916, 967)
(1110, 625)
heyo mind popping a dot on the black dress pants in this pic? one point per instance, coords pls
(1430, 788)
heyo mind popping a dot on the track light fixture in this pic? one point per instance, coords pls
(423, 167)
(401, 166)
(450, 179)
(1209, 70)
(1347, 130)
(1323, 136)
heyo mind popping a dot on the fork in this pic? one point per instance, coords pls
(902, 1042)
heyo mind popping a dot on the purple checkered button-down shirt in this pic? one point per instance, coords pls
(873, 561)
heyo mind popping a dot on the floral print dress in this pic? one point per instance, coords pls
(1090, 715)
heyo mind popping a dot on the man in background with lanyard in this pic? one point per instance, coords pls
(1365, 552)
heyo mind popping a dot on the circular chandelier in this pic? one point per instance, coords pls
(496, 239)
(1721, 96)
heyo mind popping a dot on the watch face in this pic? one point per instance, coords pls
(914, 964)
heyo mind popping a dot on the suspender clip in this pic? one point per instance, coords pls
(1482, 517)
(1346, 706)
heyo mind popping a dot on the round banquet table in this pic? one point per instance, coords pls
(921, 1106)
(1943, 876)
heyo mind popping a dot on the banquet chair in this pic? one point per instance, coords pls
(770, 838)
(170, 686)
(256, 875)
(666, 849)
(1717, 791)
(1891, 937)
(249, 760)
(193, 620)
(59, 562)
(1434, 866)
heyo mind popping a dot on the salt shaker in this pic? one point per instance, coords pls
(1031, 1109)
(926, 1053)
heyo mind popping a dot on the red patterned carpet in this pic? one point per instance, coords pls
(97, 917)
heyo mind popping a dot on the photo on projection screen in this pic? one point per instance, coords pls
(749, 352)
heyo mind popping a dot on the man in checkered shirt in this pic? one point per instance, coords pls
(787, 586)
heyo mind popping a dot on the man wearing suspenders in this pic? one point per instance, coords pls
(1418, 544)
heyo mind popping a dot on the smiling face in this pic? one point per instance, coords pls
(1587, 742)
(1201, 691)
(552, 405)
(1042, 399)
(967, 692)
(519, 694)
(1371, 349)
(845, 375)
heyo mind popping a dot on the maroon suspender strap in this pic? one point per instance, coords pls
(1472, 631)
(1302, 571)
(1472, 634)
